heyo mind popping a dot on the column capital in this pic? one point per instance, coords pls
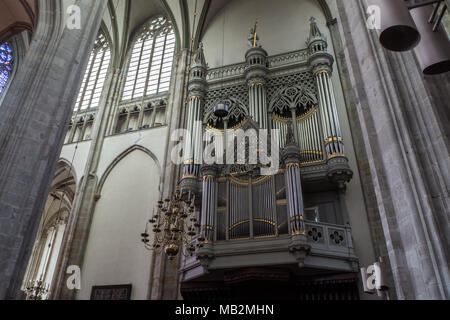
(209, 171)
(256, 70)
(321, 62)
(291, 155)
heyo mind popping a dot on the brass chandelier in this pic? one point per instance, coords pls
(175, 224)
(36, 290)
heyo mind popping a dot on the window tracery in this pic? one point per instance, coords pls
(95, 75)
(6, 64)
(151, 60)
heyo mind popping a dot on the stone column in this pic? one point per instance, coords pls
(256, 74)
(35, 113)
(407, 150)
(75, 240)
(321, 63)
(164, 280)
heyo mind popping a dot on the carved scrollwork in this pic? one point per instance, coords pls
(295, 97)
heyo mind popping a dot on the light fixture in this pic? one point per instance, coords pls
(221, 109)
(36, 290)
(433, 52)
(398, 30)
(175, 225)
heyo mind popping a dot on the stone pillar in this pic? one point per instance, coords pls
(256, 74)
(35, 113)
(321, 63)
(75, 239)
(407, 150)
(164, 277)
(193, 147)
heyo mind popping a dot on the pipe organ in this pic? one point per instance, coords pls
(296, 104)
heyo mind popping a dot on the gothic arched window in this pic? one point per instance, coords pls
(6, 64)
(151, 60)
(95, 75)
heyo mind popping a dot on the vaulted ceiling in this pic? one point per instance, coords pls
(17, 16)
(182, 12)
(124, 17)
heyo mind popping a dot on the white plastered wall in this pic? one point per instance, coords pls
(115, 254)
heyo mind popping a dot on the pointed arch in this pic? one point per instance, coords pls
(150, 59)
(94, 78)
(172, 19)
(212, 8)
(122, 156)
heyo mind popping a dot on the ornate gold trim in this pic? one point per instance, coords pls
(315, 152)
(321, 71)
(313, 162)
(261, 180)
(333, 139)
(238, 224)
(265, 221)
(282, 223)
(265, 237)
(189, 176)
(238, 239)
(310, 113)
(335, 155)
(256, 84)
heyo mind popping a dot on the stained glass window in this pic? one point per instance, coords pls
(95, 75)
(6, 64)
(151, 60)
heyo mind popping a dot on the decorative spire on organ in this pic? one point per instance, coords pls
(199, 57)
(256, 73)
(314, 32)
(321, 64)
(197, 88)
(253, 39)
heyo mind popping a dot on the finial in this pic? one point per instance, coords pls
(253, 39)
(314, 32)
(199, 57)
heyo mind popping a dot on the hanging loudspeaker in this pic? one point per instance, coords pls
(433, 52)
(398, 31)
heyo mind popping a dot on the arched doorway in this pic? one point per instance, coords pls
(44, 257)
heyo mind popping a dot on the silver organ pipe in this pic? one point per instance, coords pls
(309, 135)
